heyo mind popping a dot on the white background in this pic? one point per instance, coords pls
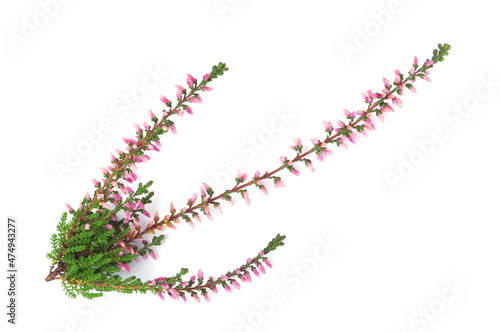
(398, 248)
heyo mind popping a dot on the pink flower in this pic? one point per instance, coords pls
(214, 289)
(163, 99)
(87, 226)
(264, 190)
(415, 61)
(279, 184)
(207, 298)
(161, 296)
(68, 207)
(427, 78)
(412, 89)
(151, 115)
(328, 126)
(310, 165)
(228, 289)
(200, 274)
(174, 130)
(206, 77)
(262, 269)
(245, 196)
(174, 293)
(95, 182)
(295, 172)
(106, 205)
(207, 88)
(268, 263)
(428, 63)
(205, 185)
(196, 297)
(241, 176)
(235, 284)
(387, 83)
(180, 88)
(189, 111)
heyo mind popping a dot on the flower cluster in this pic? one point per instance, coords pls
(102, 237)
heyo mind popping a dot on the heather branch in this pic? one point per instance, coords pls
(174, 286)
(345, 131)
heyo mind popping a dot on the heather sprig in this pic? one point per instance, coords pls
(101, 238)
(359, 122)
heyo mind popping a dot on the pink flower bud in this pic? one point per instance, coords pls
(228, 289)
(207, 298)
(235, 284)
(387, 83)
(196, 297)
(68, 207)
(95, 182)
(151, 114)
(206, 77)
(163, 99)
(87, 226)
(207, 88)
(200, 274)
(106, 205)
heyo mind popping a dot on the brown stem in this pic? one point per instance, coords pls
(267, 174)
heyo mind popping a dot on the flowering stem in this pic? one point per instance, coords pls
(388, 94)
